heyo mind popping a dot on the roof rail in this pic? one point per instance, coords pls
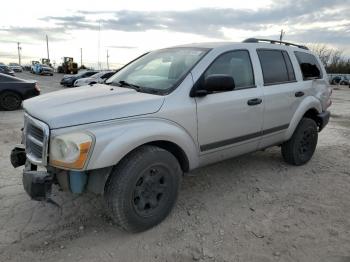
(257, 40)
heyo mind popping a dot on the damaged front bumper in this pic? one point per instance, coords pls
(38, 184)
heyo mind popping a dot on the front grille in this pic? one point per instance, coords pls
(36, 135)
(36, 132)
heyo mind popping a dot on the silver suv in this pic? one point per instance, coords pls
(168, 112)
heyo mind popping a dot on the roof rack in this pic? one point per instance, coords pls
(257, 40)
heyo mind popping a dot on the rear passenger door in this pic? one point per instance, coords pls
(279, 88)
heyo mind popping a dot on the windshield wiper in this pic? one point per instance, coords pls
(138, 88)
(124, 83)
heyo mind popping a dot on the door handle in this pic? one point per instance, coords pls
(254, 101)
(299, 94)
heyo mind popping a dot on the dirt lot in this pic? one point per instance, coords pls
(252, 208)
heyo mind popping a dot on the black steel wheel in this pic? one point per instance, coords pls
(151, 191)
(10, 101)
(301, 147)
(143, 188)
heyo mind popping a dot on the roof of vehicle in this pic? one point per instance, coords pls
(14, 79)
(263, 43)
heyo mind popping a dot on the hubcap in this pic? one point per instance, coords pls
(150, 191)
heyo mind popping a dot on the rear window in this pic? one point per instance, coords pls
(309, 66)
(276, 66)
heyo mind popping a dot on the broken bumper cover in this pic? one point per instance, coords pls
(37, 184)
(323, 119)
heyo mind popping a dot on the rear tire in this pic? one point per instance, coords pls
(10, 101)
(300, 148)
(143, 188)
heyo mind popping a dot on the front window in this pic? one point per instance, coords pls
(159, 71)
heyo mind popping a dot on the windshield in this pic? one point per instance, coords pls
(158, 71)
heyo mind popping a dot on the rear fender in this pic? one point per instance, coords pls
(308, 103)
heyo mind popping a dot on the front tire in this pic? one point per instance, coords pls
(10, 101)
(300, 148)
(143, 188)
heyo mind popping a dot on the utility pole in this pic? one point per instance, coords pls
(282, 35)
(81, 57)
(19, 48)
(107, 60)
(99, 43)
(47, 48)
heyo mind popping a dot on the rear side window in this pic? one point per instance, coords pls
(309, 66)
(276, 66)
(236, 64)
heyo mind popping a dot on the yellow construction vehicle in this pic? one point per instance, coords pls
(68, 66)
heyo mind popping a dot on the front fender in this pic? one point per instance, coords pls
(116, 139)
(308, 103)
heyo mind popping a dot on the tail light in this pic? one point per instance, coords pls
(37, 87)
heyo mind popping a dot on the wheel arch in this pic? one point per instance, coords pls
(113, 146)
(310, 107)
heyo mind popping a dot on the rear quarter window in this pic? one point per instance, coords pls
(309, 66)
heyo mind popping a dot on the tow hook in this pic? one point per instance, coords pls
(18, 156)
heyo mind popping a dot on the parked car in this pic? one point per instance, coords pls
(168, 112)
(4, 69)
(340, 80)
(94, 79)
(41, 69)
(69, 80)
(14, 90)
(15, 67)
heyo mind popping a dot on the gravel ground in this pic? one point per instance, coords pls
(251, 208)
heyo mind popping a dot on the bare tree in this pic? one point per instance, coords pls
(323, 51)
(337, 57)
(333, 59)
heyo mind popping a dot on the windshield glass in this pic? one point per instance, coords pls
(158, 71)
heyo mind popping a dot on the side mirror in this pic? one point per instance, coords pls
(214, 83)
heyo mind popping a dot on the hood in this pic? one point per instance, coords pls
(83, 105)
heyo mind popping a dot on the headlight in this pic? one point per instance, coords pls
(70, 150)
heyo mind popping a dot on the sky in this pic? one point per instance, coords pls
(127, 29)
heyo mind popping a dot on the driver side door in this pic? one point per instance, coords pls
(230, 123)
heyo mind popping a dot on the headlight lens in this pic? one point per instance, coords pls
(70, 150)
